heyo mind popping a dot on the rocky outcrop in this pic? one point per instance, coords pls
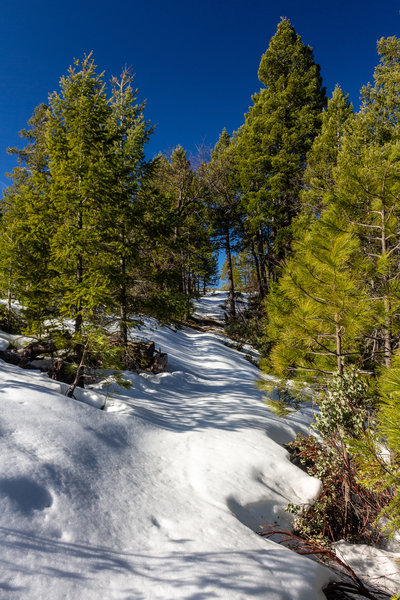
(143, 356)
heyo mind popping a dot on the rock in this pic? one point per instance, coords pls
(10, 356)
(62, 371)
(159, 363)
(139, 355)
(142, 356)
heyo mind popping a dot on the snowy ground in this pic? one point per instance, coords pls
(215, 306)
(211, 306)
(159, 495)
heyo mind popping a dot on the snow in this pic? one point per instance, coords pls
(212, 306)
(376, 565)
(159, 495)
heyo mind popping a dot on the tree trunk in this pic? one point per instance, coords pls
(338, 336)
(262, 267)
(79, 277)
(189, 282)
(123, 324)
(9, 291)
(79, 372)
(254, 253)
(182, 282)
(387, 333)
(231, 287)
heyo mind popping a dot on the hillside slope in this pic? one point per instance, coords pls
(159, 495)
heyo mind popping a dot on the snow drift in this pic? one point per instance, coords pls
(158, 496)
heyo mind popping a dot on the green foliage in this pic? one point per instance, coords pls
(166, 305)
(282, 398)
(27, 224)
(122, 219)
(377, 454)
(322, 521)
(10, 321)
(343, 509)
(319, 307)
(89, 225)
(322, 157)
(243, 271)
(343, 407)
(221, 179)
(247, 325)
(120, 381)
(272, 144)
(367, 177)
(78, 145)
(190, 253)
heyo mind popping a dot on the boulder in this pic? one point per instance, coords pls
(159, 363)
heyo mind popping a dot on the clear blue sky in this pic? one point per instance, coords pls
(196, 63)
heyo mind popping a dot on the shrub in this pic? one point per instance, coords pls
(343, 509)
(10, 322)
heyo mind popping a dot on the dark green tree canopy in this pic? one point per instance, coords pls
(273, 142)
(322, 158)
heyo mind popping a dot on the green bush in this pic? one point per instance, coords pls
(10, 322)
(343, 407)
(344, 509)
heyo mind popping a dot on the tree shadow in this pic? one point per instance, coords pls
(258, 573)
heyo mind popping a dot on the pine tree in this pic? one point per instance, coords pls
(376, 453)
(123, 223)
(184, 192)
(367, 178)
(79, 150)
(273, 142)
(27, 225)
(319, 177)
(220, 175)
(243, 272)
(319, 307)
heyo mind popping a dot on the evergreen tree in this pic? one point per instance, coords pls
(79, 149)
(376, 453)
(319, 307)
(184, 192)
(243, 272)
(220, 175)
(123, 223)
(273, 142)
(27, 225)
(367, 178)
(319, 177)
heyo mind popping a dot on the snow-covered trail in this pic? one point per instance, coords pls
(158, 496)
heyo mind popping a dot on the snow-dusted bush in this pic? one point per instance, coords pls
(343, 407)
(344, 509)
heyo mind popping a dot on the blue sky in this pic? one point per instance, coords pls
(196, 63)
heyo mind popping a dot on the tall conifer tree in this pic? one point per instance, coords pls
(367, 179)
(28, 224)
(123, 221)
(184, 192)
(319, 307)
(274, 140)
(220, 175)
(79, 150)
(319, 177)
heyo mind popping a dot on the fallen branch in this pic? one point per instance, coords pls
(309, 548)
